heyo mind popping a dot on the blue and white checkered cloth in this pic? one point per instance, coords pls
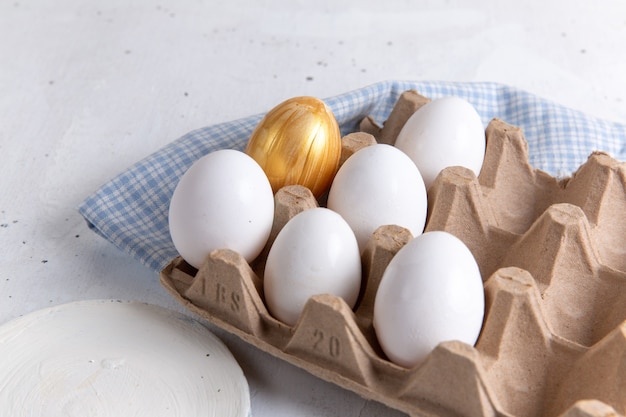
(131, 209)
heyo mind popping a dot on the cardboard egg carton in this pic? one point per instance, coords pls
(552, 254)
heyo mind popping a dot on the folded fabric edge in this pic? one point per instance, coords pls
(112, 211)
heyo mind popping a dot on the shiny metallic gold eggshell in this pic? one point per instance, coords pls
(298, 142)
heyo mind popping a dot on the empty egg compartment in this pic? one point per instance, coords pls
(568, 234)
(554, 252)
(553, 341)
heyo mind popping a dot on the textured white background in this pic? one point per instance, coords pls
(87, 88)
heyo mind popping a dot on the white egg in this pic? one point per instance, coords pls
(431, 292)
(223, 201)
(442, 133)
(314, 253)
(379, 185)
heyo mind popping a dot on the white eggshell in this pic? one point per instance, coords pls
(314, 253)
(444, 132)
(223, 201)
(431, 292)
(379, 185)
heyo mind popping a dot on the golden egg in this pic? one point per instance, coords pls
(298, 142)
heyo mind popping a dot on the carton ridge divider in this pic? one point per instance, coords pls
(353, 142)
(327, 334)
(288, 201)
(590, 408)
(522, 353)
(457, 205)
(598, 373)
(508, 180)
(606, 180)
(555, 246)
(452, 375)
(381, 248)
(226, 286)
(408, 103)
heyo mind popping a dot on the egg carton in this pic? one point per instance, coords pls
(552, 254)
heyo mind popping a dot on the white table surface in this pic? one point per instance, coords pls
(87, 88)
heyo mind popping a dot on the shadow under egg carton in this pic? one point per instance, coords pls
(552, 253)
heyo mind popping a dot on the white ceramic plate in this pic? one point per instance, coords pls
(109, 358)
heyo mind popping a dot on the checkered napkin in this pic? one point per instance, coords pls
(131, 210)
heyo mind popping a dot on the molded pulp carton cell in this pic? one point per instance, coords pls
(552, 254)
